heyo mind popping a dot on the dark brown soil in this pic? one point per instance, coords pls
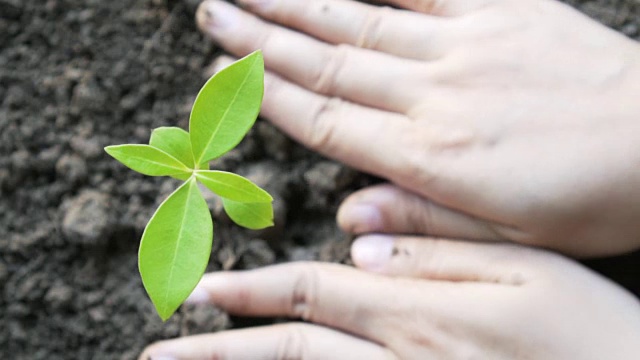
(76, 75)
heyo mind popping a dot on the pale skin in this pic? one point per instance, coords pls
(493, 120)
(433, 299)
(510, 120)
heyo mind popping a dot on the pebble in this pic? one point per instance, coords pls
(86, 221)
(59, 296)
(328, 176)
(72, 168)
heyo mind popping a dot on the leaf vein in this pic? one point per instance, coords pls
(175, 252)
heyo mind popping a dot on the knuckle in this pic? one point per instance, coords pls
(294, 343)
(425, 218)
(322, 126)
(371, 30)
(324, 79)
(266, 39)
(304, 297)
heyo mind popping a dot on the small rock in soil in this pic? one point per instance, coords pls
(257, 254)
(97, 314)
(59, 296)
(203, 318)
(17, 310)
(20, 162)
(86, 222)
(88, 96)
(46, 160)
(71, 168)
(328, 176)
(17, 331)
(32, 288)
(88, 148)
(15, 97)
(324, 179)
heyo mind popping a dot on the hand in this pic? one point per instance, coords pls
(514, 120)
(439, 300)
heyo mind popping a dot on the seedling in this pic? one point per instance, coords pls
(176, 243)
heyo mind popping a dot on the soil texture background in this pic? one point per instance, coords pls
(77, 75)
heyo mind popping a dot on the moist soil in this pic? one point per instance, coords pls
(77, 75)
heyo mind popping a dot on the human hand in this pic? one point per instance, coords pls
(432, 299)
(516, 120)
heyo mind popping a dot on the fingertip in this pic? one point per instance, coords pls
(361, 212)
(199, 295)
(213, 16)
(204, 15)
(156, 352)
(357, 218)
(373, 252)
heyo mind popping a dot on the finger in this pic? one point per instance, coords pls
(289, 341)
(390, 209)
(446, 260)
(399, 32)
(441, 7)
(339, 129)
(334, 295)
(363, 76)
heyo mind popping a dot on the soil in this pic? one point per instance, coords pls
(77, 75)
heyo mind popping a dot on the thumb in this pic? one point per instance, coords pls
(390, 209)
(445, 260)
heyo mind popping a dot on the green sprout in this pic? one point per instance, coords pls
(176, 244)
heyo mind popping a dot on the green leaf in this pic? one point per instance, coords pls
(204, 166)
(226, 108)
(250, 215)
(149, 160)
(175, 248)
(175, 142)
(233, 187)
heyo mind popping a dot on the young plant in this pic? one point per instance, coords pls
(176, 243)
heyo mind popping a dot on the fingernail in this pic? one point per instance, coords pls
(198, 296)
(372, 252)
(361, 218)
(217, 14)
